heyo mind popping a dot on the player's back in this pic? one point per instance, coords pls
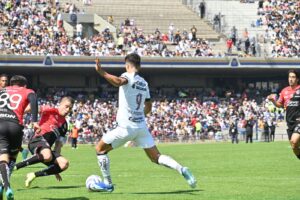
(13, 102)
(52, 124)
(132, 97)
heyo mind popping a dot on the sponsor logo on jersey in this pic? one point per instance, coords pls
(5, 115)
(293, 103)
(135, 112)
(136, 119)
(139, 86)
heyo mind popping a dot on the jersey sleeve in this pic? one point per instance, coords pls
(281, 98)
(125, 75)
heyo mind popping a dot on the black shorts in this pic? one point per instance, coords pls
(293, 128)
(36, 144)
(11, 135)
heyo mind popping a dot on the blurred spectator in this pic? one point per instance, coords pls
(202, 9)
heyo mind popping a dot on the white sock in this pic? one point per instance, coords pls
(167, 161)
(103, 162)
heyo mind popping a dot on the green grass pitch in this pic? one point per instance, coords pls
(258, 171)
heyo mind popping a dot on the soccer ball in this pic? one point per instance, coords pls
(91, 181)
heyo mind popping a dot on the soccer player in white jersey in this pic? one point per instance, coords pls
(134, 104)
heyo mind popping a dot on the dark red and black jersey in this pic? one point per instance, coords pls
(290, 99)
(52, 124)
(13, 102)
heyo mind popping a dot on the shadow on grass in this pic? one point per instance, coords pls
(71, 198)
(192, 192)
(64, 187)
(53, 187)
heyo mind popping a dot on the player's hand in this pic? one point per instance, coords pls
(58, 177)
(272, 97)
(98, 65)
(36, 128)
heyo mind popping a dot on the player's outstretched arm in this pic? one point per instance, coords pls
(272, 98)
(112, 79)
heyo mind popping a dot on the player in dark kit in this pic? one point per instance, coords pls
(13, 101)
(3, 84)
(290, 99)
(53, 126)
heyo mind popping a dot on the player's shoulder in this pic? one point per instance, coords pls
(26, 91)
(140, 78)
(125, 75)
(288, 88)
(20, 90)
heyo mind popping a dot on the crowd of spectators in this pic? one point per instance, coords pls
(282, 19)
(246, 45)
(183, 119)
(37, 29)
(29, 28)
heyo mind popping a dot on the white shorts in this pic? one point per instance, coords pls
(119, 136)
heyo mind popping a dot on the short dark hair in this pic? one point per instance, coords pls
(294, 72)
(3, 75)
(18, 80)
(134, 59)
(67, 98)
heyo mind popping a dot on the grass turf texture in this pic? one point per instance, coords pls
(224, 172)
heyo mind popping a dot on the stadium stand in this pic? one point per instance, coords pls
(39, 29)
(149, 15)
(282, 20)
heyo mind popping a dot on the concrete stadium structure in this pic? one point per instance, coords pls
(78, 72)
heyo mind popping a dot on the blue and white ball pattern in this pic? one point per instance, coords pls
(91, 181)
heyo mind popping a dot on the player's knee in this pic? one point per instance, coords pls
(102, 148)
(47, 157)
(64, 164)
(294, 144)
(98, 149)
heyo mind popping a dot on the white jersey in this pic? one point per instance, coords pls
(132, 97)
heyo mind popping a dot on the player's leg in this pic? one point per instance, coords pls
(56, 165)
(169, 162)
(24, 153)
(10, 145)
(102, 149)
(295, 141)
(145, 140)
(4, 171)
(42, 153)
(62, 162)
(109, 141)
